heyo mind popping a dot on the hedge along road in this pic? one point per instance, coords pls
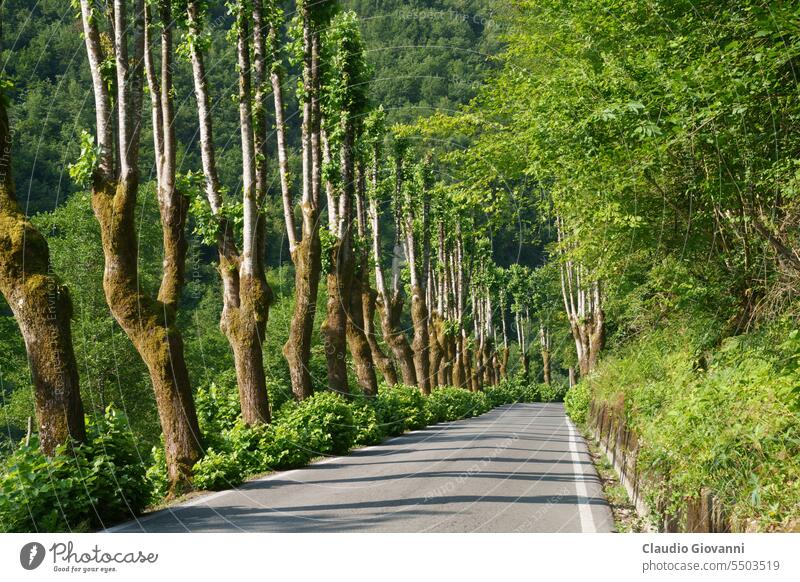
(518, 468)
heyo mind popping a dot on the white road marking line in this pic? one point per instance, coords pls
(584, 508)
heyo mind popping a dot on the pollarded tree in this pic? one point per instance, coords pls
(42, 308)
(520, 290)
(246, 294)
(390, 294)
(368, 182)
(307, 252)
(583, 303)
(414, 209)
(149, 322)
(438, 296)
(344, 105)
(503, 294)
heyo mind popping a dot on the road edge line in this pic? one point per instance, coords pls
(588, 524)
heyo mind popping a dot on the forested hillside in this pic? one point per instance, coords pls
(425, 55)
(242, 235)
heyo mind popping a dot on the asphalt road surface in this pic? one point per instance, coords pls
(520, 468)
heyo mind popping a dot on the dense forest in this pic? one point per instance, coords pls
(236, 236)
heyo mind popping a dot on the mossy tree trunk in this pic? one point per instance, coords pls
(42, 309)
(246, 294)
(417, 267)
(436, 351)
(390, 295)
(504, 354)
(148, 322)
(367, 354)
(307, 254)
(544, 342)
(340, 268)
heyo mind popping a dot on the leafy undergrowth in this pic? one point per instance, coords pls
(104, 480)
(726, 420)
(81, 487)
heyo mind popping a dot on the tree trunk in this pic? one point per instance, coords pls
(390, 304)
(357, 340)
(396, 338)
(504, 363)
(307, 273)
(546, 366)
(151, 327)
(526, 366)
(248, 328)
(150, 324)
(583, 306)
(469, 365)
(42, 308)
(497, 373)
(419, 309)
(384, 362)
(246, 295)
(419, 344)
(450, 346)
(245, 327)
(544, 340)
(459, 370)
(334, 328)
(308, 253)
(361, 317)
(436, 349)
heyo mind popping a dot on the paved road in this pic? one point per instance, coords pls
(520, 468)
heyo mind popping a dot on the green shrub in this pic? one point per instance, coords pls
(365, 419)
(448, 403)
(400, 408)
(283, 446)
(512, 390)
(156, 475)
(218, 406)
(246, 444)
(82, 486)
(576, 402)
(500, 395)
(323, 422)
(218, 470)
(551, 393)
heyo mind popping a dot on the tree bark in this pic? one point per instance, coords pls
(246, 327)
(357, 340)
(544, 341)
(42, 309)
(276, 78)
(334, 328)
(503, 368)
(436, 348)
(384, 362)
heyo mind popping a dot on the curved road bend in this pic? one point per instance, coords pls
(518, 468)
